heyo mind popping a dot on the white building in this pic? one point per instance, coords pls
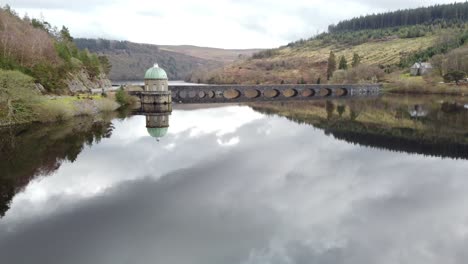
(421, 68)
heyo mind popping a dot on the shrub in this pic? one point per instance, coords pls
(454, 76)
(339, 77)
(365, 73)
(85, 107)
(49, 75)
(411, 84)
(265, 54)
(123, 98)
(76, 63)
(17, 97)
(53, 110)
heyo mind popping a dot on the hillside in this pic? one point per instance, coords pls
(309, 61)
(48, 55)
(384, 47)
(43, 73)
(130, 60)
(222, 55)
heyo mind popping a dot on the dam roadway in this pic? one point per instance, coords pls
(192, 94)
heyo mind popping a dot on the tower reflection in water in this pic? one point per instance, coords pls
(157, 119)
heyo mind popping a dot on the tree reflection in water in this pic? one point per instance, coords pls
(430, 126)
(30, 151)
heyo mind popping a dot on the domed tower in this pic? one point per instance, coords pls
(156, 102)
(156, 90)
(156, 80)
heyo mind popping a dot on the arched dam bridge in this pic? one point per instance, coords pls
(193, 94)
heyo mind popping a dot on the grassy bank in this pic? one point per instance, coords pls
(432, 84)
(21, 102)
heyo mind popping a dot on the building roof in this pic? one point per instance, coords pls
(155, 73)
(157, 132)
(419, 65)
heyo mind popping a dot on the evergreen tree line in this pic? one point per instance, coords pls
(407, 17)
(99, 45)
(404, 32)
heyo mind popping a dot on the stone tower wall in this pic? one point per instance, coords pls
(156, 86)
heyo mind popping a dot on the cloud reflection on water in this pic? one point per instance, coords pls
(285, 193)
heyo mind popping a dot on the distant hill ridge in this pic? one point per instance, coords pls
(130, 60)
(217, 54)
(385, 42)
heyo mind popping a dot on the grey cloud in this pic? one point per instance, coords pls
(390, 5)
(151, 13)
(82, 5)
(313, 17)
(255, 24)
(316, 18)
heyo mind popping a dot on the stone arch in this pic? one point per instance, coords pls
(341, 92)
(183, 94)
(201, 94)
(325, 92)
(192, 94)
(271, 93)
(252, 93)
(307, 92)
(231, 94)
(211, 94)
(290, 92)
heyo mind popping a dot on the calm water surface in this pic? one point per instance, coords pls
(230, 184)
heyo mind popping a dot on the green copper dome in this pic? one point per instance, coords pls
(157, 132)
(155, 73)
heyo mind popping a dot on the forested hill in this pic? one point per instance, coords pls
(48, 55)
(379, 44)
(408, 17)
(130, 60)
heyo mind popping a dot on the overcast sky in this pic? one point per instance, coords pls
(212, 23)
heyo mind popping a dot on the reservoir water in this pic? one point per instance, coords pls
(370, 181)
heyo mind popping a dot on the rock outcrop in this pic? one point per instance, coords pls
(82, 83)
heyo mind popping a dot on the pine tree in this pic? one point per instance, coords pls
(343, 63)
(105, 64)
(331, 65)
(356, 60)
(65, 34)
